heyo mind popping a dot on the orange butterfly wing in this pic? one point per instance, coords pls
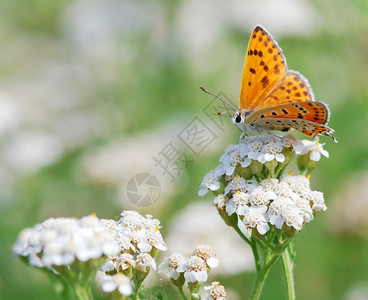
(316, 112)
(293, 87)
(264, 67)
(306, 127)
(308, 117)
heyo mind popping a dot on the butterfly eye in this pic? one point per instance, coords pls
(238, 118)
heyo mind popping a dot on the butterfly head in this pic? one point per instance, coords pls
(240, 120)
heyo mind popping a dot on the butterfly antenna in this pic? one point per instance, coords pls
(221, 113)
(222, 100)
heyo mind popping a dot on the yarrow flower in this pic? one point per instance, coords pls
(288, 201)
(232, 157)
(118, 282)
(61, 241)
(205, 252)
(193, 269)
(314, 148)
(220, 201)
(239, 199)
(267, 147)
(173, 265)
(238, 183)
(309, 153)
(139, 240)
(215, 292)
(196, 270)
(255, 218)
(210, 182)
(145, 261)
(253, 155)
(136, 235)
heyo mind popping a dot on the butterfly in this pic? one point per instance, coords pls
(272, 97)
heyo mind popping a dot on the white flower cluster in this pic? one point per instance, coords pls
(263, 149)
(138, 238)
(314, 148)
(287, 202)
(118, 282)
(61, 241)
(194, 268)
(215, 291)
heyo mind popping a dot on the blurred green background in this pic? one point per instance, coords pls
(91, 91)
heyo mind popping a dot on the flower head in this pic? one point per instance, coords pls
(196, 270)
(239, 199)
(238, 183)
(314, 148)
(61, 241)
(210, 182)
(205, 252)
(220, 201)
(118, 282)
(215, 291)
(233, 157)
(174, 265)
(256, 218)
(144, 261)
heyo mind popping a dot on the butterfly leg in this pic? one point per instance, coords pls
(244, 133)
(334, 139)
(274, 134)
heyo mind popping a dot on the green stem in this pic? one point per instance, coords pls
(269, 261)
(241, 234)
(281, 171)
(80, 283)
(288, 265)
(83, 292)
(256, 256)
(261, 277)
(137, 290)
(181, 291)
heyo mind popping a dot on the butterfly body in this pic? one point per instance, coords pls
(275, 98)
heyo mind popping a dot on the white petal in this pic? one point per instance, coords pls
(215, 186)
(144, 247)
(325, 153)
(315, 156)
(108, 287)
(280, 157)
(182, 267)
(279, 222)
(202, 276)
(220, 171)
(246, 162)
(261, 158)
(125, 289)
(202, 192)
(164, 265)
(213, 262)
(262, 228)
(230, 208)
(230, 170)
(175, 275)
(242, 210)
(108, 266)
(190, 276)
(268, 156)
(153, 264)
